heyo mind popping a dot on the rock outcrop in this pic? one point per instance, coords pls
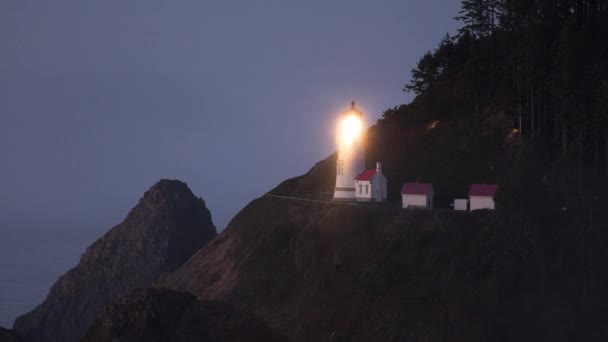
(318, 181)
(168, 225)
(7, 335)
(161, 315)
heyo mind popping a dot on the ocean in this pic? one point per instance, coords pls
(33, 257)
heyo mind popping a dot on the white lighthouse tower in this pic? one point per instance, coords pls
(350, 153)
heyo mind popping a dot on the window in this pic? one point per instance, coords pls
(366, 188)
(360, 189)
(340, 167)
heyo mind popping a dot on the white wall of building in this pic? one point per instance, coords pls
(364, 190)
(461, 204)
(417, 201)
(349, 164)
(481, 202)
(374, 189)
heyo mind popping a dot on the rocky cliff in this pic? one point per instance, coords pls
(160, 315)
(166, 227)
(318, 271)
(7, 335)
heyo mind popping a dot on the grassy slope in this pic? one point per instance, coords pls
(381, 273)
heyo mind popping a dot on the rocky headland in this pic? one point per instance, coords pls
(162, 315)
(8, 335)
(322, 271)
(166, 227)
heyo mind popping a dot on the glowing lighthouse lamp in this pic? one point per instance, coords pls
(353, 181)
(350, 153)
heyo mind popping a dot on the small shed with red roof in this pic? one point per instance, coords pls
(417, 195)
(370, 185)
(481, 196)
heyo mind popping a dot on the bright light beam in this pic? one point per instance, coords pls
(350, 128)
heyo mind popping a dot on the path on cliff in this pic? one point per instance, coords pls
(319, 201)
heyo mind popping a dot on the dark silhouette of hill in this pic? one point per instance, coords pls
(517, 97)
(320, 179)
(7, 335)
(166, 227)
(321, 272)
(161, 315)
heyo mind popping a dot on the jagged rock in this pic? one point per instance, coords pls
(7, 335)
(162, 315)
(167, 226)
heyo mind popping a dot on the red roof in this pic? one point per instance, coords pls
(485, 190)
(416, 188)
(366, 175)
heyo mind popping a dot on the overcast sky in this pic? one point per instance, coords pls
(100, 99)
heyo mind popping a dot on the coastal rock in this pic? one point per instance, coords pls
(162, 315)
(7, 335)
(168, 225)
(316, 270)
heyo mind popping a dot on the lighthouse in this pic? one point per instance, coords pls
(350, 161)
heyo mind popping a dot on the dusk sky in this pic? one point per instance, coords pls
(100, 99)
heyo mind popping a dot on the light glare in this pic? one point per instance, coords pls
(350, 128)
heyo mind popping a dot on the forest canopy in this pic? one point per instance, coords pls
(521, 97)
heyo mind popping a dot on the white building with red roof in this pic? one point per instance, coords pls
(370, 185)
(417, 195)
(481, 196)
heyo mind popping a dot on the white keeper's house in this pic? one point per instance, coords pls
(481, 196)
(370, 185)
(417, 195)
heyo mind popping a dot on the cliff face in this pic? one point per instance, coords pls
(322, 271)
(168, 225)
(7, 335)
(161, 315)
(314, 271)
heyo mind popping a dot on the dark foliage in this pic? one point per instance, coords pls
(520, 97)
